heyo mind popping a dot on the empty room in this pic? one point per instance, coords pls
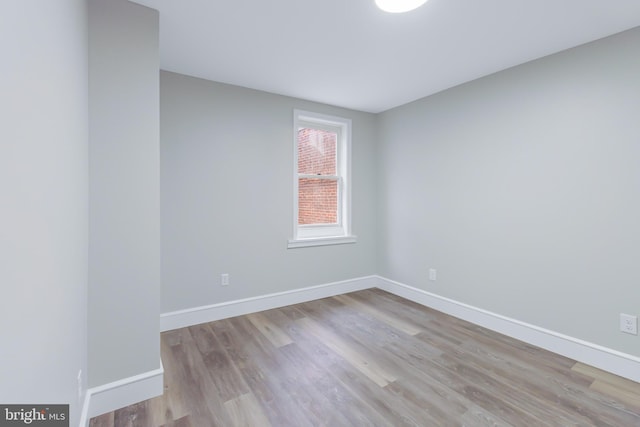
(320, 213)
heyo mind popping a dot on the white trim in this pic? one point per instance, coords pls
(616, 362)
(209, 313)
(342, 127)
(84, 415)
(321, 241)
(118, 394)
(327, 177)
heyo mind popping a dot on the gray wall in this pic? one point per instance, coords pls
(124, 208)
(523, 190)
(227, 165)
(43, 217)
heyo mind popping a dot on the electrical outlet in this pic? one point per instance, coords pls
(629, 324)
(432, 274)
(224, 279)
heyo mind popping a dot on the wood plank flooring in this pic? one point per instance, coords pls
(370, 358)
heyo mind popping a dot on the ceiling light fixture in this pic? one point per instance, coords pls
(399, 6)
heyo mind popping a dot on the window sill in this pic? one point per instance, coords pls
(321, 241)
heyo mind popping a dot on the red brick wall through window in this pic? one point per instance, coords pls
(317, 198)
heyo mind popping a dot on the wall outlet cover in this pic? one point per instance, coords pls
(628, 324)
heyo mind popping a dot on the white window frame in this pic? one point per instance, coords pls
(325, 234)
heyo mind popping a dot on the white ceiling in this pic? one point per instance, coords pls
(349, 53)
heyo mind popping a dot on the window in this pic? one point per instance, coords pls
(322, 187)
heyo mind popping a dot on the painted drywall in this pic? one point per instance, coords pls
(523, 190)
(43, 218)
(227, 195)
(124, 204)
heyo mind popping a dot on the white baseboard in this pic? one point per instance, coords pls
(210, 313)
(616, 362)
(622, 364)
(84, 415)
(118, 394)
(121, 393)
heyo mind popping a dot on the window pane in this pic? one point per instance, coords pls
(317, 201)
(317, 152)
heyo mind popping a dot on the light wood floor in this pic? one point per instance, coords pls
(370, 358)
